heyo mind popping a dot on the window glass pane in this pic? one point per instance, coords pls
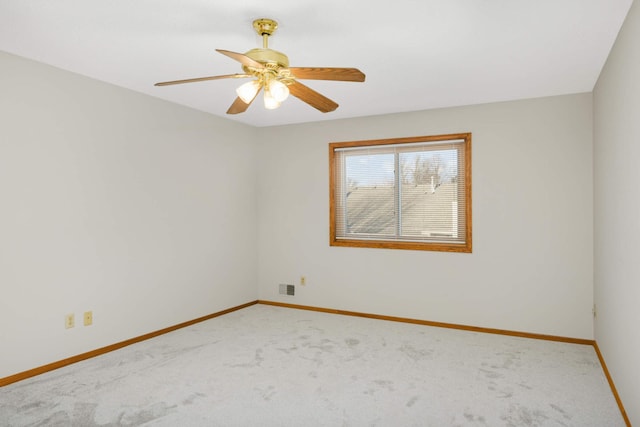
(370, 200)
(429, 194)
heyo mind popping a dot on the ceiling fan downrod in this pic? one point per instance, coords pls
(265, 27)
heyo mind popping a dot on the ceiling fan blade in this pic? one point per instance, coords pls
(341, 74)
(202, 79)
(239, 106)
(241, 58)
(311, 97)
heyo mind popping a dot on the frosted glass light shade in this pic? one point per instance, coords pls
(278, 90)
(270, 103)
(248, 91)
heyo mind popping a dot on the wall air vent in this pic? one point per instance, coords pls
(287, 289)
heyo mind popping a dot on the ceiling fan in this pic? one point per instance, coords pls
(269, 70)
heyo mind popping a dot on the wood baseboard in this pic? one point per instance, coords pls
(436, 324)
(93, 353)
(612, 385)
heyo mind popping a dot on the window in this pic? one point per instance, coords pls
(405, 193)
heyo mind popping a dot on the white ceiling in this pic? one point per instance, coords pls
(416, 54)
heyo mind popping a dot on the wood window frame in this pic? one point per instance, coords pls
(465, 247)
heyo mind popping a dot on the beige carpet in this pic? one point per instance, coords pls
(271, 366)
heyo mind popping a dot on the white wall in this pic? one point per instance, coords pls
(115, 202)
(531, 267)
(617, 212)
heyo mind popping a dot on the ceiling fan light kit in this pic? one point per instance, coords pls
(270, 71)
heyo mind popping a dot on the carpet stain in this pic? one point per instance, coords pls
(59, 418)
(473, 418)
(287, 350)
(352, 342)
(412, 401)
(415, 353)
(386, 384)
(561, 411)
(267, 393)
(35, 405)
(257, 361)
(84, 413)
(138, 417)
(490, 374)
(192, 398)
(518, 416)
(324, 345)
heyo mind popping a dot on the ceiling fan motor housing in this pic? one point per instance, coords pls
(268, 57)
